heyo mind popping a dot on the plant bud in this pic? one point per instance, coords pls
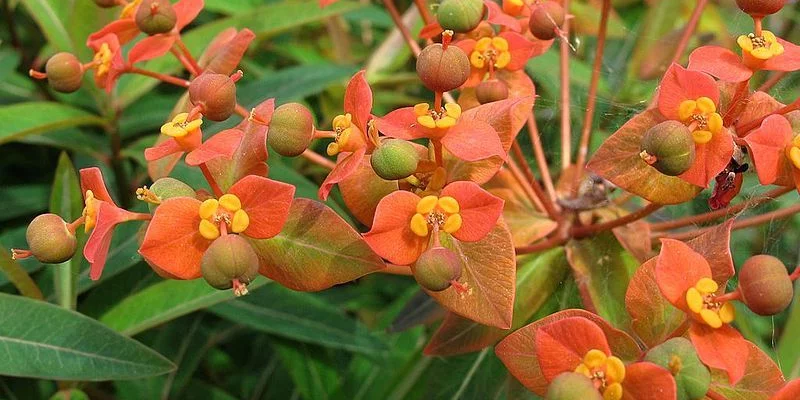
(49, 239)
(106, 3)
(765, 285)
(215, 93)
(441, 69)
(460, 15)
(155, 16)
(395, 159)
(491, 91)
(165, 188)
(760, 8)
(672, 145)
(571, 386)
(70, 394)
(64, 72)
(230, 257)
(291, 129)
(437, 268)
(679, 357)
(546, 19)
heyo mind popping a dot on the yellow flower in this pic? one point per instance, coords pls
(702, 116)
(761, 47)
(441, 212)
(700, 300)
(179, 127)
(493, 50)
(443, 119)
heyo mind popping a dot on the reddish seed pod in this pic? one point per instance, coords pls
(64, 72)
(442, 69)
(155, 16)
(491, 90)
(291, 129)
(49, 239)
(671, 143)
(215, 94)
(546, 18)
(571, 386)
(230, 257)
(765, 285)
(760, 8)
(437, 268)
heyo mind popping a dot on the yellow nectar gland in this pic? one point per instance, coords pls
(701, 299)
(130, 9)
(437, 213)
(441, 119)
(227, 210)
(606, 372)
(513, 7)
(793, 152)
(702, 116)
(492, 51)
(103, 59)
(179, 127)
(343, 126)
(89, 211)
(761, 47)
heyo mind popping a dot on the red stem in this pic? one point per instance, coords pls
(318, 159)
(584, 231)
(196, 69)
(541, 160)
(566, 128)
(744, 223)
(162, 77)
(211, 181)
(424, 11)
(772, 81)
(743, 129)
(398, 22)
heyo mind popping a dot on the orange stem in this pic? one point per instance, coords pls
(566, 124)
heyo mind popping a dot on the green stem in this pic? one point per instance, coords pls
(65, 285)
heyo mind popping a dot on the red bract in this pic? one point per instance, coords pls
(506, 51)
(685, 279)
(775, 152)
(789, 392)
(692, 97)
(405, 221)
(182, 227)
(765, 53)
(569, 342)
(125, 27)
(351, 141)
(101, 216)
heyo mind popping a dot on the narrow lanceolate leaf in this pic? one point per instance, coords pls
(602, 268)
(761, 379)
(23, 119)
(489, 273)
(274, 309)
(538, 277)
(49, 15)
(41, 340)
(618, 160)
(315, 250)
(164, 302)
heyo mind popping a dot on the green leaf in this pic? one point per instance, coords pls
(538, 277)
(41, 340)
(789, 346)
(22, 200)
(266, 20)
(274, 310)
(311, 368)
(23, 119)
(66, 201)
(603, 268)
(165, 301)
(50, 16)
(315, 250)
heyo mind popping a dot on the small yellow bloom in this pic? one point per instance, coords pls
(761, 47)
(104, 57)
(227, 210)
(179, 127)
(701, 114)
(494, 50)
(343, 126)
(446, 118)
(701, 300)
(438, 212)
(607, 371)
(89, 211)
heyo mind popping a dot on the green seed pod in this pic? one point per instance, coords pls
(155, 16)
(215, 93)
(395, 159)
(491, 90)
(546, 19)
(460, 16)
(166, 188)
(70, 394)
(765, 285)
(106, 3)
(64, 72)
(672, 145)
(291, 129)
(571, 386)
(760, 8)
(679, 357)
(441, 69)
(230, 257)
(49, 239)
(437, 268)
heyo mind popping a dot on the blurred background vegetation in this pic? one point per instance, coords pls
(363, 340)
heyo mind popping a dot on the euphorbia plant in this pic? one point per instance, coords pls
(582, 294)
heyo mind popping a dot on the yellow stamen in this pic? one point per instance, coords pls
(147, 195)
(613, 392)
(208, 208)
(706, 105)
(453, 223)
(606, 372)
(686, 109)
(503, 59)
(427, 121)
(702, 137)
(89, 211)
(483, 44)
(453, 110)
(104, 56)
(794, 156)
(333, 149)
(422, 109)
(419, 225)
(449, 205)
(694, 300)
(727, 313)
(240, 221)
(427, 204)
(208, 229)
(230, 202)
(711, 318)
(615, 369)
(707, 285)
(595, 359)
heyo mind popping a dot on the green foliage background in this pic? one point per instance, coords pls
(358, 341)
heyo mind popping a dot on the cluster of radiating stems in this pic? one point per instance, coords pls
(541, 191)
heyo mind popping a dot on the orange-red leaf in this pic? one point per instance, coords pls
(391, 236)
(722, 348)
(653, 318)
(172, 242)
